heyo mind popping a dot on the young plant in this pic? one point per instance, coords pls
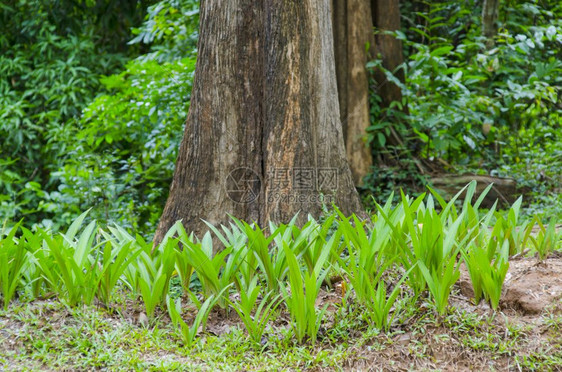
(308, 242)
(131, 276)
(507, 229)
(13, 258)
(487, 256)
(403, 237)
(301, 298)
(438, 260)
(235, 239)
(184, 268)
(487, 274)
(189, 333)
(440, 282)
(68, 265)
(254, 313)
(113, 262)
(547, 240)
(381, 303)
(271, 262)
(33, 279)
(365, 251)
(154, 274)
(368, 258)
(215, 271)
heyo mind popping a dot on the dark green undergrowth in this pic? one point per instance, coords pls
(472, 107)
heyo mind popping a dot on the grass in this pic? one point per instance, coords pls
(49, 335)
(275, 281)
(91, 337)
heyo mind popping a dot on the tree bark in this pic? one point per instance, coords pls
(386, 17)
(263, 139)
(353, 43)
(490, 12)
(225, 121)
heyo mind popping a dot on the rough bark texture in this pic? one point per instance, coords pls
(225, 121)
(263, 139)
(353, 32)
(490, 12)
(386, 17)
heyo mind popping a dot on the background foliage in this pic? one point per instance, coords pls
(85, 124)
(492, 110)
(94, 94)
(50, 66)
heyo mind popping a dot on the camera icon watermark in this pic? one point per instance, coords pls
(243, 185)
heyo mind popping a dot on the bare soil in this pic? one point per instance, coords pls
(525, 334)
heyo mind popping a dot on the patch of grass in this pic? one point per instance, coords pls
(50, 335)
(543, 360)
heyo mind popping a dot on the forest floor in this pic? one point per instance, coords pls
(525, 334)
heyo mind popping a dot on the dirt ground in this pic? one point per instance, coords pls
(525, 334)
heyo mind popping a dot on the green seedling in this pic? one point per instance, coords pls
(113, 262)
(547, 240)
(189, 333)
(301, 298)
(13, 258)
(487, 275)
(68, 264)
(154, 274)
(256, 313)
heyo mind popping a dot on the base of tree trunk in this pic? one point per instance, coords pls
(263, 139)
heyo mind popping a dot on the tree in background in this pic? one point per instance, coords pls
(386, 18)
(263, 138)
(490, 13)
(362, 34)
(87, 122)
(353, 43)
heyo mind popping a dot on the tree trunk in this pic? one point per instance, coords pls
(354, 42)
(490, 12)
(263, 139)
(386, 17)
(225, 121)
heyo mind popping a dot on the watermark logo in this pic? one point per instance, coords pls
(303, 179)
(302, 185)
(284, 185)
(243, 185)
